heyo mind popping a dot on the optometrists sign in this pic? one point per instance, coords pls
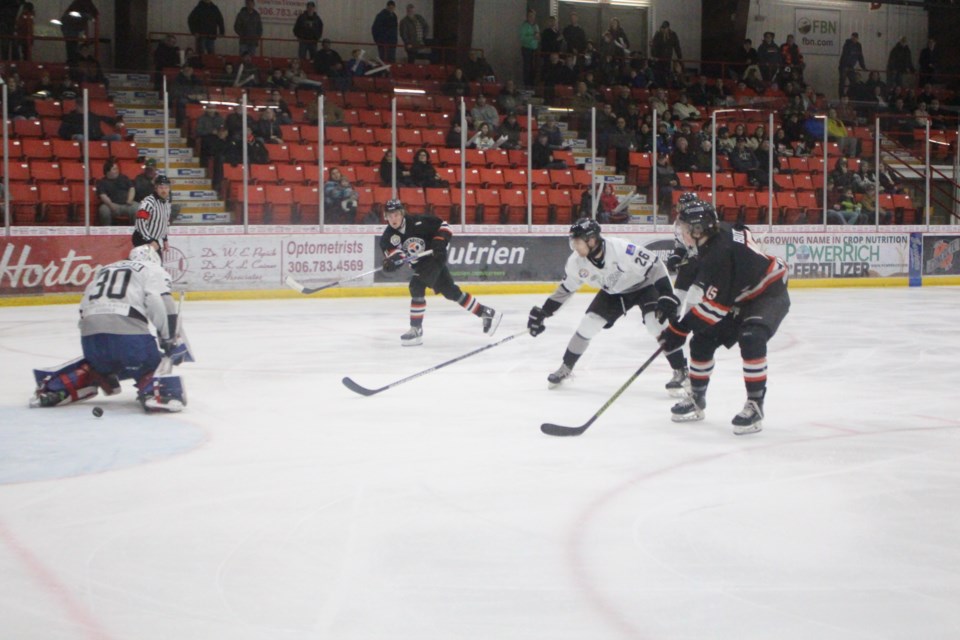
(818, 32)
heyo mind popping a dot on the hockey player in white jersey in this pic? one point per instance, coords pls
(118, 309)
(628, 276)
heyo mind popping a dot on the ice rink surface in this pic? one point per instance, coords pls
(280, 505)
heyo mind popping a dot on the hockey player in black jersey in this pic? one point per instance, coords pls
(739, 296)
(628, 276)
(408, 235)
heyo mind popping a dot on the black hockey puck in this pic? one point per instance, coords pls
(97, 411)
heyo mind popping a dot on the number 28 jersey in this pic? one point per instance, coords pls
(124, 296)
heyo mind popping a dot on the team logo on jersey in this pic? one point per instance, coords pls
(414, 246)
(631, 249)
(395, 240)
(584, 274)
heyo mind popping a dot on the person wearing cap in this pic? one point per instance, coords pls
(413, 32)
(407, 236)
(152, 221)
(308, 30)
(664, 44)
(850, 57)
(326, 58)
(143, 183)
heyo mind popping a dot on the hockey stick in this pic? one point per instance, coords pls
(293, 284)
(558, 430)
(364, 391)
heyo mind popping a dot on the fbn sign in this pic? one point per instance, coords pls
(818, 31)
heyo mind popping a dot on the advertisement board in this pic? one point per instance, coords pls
(940, 255)
(849, 255)
(818, 31)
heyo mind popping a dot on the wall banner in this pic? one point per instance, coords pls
(847, 255)
(818, 31)
(941, 255)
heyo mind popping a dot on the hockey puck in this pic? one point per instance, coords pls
(97, 412)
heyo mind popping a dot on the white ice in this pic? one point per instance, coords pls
(280, 505)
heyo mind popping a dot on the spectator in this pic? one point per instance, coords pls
(863, 177)
(166, 56)
(607, 209)
(187, 88)
(745, 58)
(703, 158)
(386, 171)
(116, 194)
(529, 44)
(510, 99)
(683, 110)
(308, 30)
(190, 57)
(86, 68)
(422, 172)
(357, 65)
(846, 210)
(143, 183)
(205, 130)
(667, 181)
(224, 148)
(23, 31)
(768, 57)
(899, 62)
(413, 32)
(620, 39)
(19, 105)
(754, 139)
(512, 129)
(837, 132)
(206, 23)
(872, 211)
(483, 139)
(665, 43)
(455, 134)
(929, 62)
(249, 28)
(339, 199)
(683, 157)
(276, 103)
(248, 74)
(476, 68)
(384, 32)
(73, 25)
(790, 57)
(550, 37)
(267, 128)
(456, 85)
(574, 36)
(621, 140)
(326, 58)
(541, 154)
(850, 57)
(484, 112)
(840, 177)
(699, 93)
(744, 160)
(552, 131)
(71, 125)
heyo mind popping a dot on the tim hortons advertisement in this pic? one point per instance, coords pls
(829, 255)
(941, 255)
(55, 264)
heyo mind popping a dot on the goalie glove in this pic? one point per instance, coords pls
(667, 306)
(394, 261)
(535, 321)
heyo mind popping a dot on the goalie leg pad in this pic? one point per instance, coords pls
(162, 394)
(70, 382)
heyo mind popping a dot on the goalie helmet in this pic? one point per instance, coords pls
(701, 218)
(145, 253)
(585, 228)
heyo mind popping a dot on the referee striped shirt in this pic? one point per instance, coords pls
(153, 218)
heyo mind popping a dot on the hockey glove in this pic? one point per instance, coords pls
(673, 337)
(667, 306)
(673, 262)
(439, 247)
(168, 346)
(535, 322)
(394, 261)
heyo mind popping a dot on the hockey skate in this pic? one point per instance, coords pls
(491, 320)
(749, 420)
(413, 337)
(158, 404)
(559, 375)
(690, 409)
(679, 384)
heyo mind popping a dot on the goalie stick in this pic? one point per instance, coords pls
(364, 391)
(293, 284)
(559, 430)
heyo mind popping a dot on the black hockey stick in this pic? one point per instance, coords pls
(293, 284)
(559, 430)
(364, 391)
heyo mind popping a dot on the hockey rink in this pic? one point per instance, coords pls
(280, 505)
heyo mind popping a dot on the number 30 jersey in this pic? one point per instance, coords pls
(124, 297)
(627, 267)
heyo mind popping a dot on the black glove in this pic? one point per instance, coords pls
(439, 248)
(673, 262)
(667, 306)
(673, 337)
(168, 346)
(394, 261)
(535, 322)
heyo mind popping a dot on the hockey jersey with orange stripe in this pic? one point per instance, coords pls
(731, 271)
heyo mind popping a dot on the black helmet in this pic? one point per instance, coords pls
(686, 198)
(585, 228)
(702, 218)
(161, 179)
(391, 205)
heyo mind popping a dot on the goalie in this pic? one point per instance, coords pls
(117, 311)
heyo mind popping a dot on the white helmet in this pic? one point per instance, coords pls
(145, 253)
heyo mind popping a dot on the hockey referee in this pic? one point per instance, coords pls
(153, 217)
